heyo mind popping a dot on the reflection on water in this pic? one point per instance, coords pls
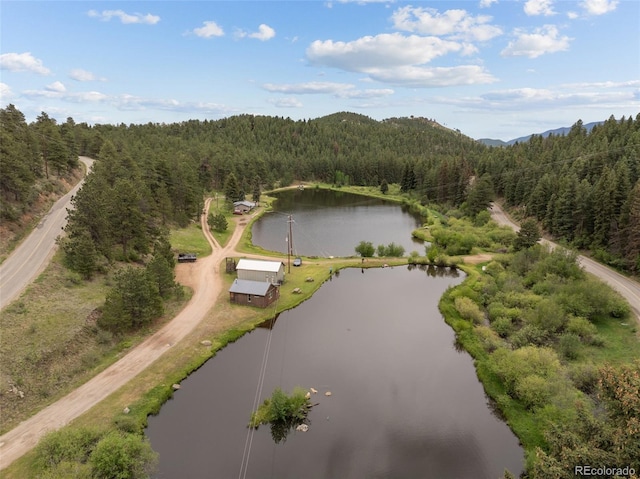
(404, 403)
(329, 223)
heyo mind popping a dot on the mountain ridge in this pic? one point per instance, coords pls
(523, 139)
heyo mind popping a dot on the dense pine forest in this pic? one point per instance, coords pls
(583, 187)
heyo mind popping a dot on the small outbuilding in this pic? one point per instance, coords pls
(261, 270)
(243, 206)
(253, 293)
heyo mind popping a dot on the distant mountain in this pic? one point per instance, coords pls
(523, 139)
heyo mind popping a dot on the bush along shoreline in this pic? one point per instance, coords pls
(558, 353)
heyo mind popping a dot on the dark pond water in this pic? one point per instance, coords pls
(404, 403)
(328, 223)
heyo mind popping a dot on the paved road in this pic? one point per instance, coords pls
(33, 255)
(628, 288)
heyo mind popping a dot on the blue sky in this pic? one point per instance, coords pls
(497, 69)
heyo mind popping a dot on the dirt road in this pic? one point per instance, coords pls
(206, 283)
(32, 256)
(628, 288)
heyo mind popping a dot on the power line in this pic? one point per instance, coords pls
(244, 465)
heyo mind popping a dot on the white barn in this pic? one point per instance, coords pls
(261, 270)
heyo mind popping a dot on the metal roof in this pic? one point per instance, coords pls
(259, 265)
(248, 204)
(244, 286)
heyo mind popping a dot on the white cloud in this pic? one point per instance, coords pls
(487, 3)
(339, 90)
(599, 7)
(58, 91)
(22, 62)
(423, 77)
(306, 88)
(210, 29)
(454, 23)
(126, 18)
(359, 2)
(599, 85)
(539, 7)
(597, 96)
(399, 60)
(135, 103)
(543, 40)
(56, 87)
(288, 102)
(264, 33)
(79, 74)
(5, 92)
(382, 51)
(87, 96)
(366, 94)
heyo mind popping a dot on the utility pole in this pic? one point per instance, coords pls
(289, 244)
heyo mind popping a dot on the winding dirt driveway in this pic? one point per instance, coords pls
(207, 285)
(629, 289)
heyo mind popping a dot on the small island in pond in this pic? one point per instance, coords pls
(283, 412)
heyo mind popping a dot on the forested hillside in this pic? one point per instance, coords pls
(583, 187)
(31, 155)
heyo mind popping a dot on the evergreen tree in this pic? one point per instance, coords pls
(632, 229)
(17, 171)
(255, 197)
(384, 187)
(480, 195)
(528, 235)
(132, 303)
(231, 189)
(81, 255)
(161, 273)
(52, 148)
(565, 208)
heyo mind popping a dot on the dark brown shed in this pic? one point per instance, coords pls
(253, 293)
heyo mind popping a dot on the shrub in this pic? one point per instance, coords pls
(432, 254)
(512, 366)
(494, 269)
(391, 250)
(66, 445)
(534, 391)
(569, 345)
(488, 338)
(547, 315)
(529, 335)
(365, 249)
(282, 411)
(482, 218)
(122, 456)
(503, 326)
(582, 327)
(469, 310)
(584, 377)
